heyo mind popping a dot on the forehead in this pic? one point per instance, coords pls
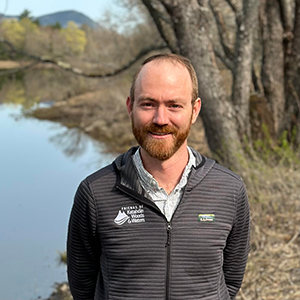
(164, 75)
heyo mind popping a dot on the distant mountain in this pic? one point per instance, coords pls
(62, 17)
(7, 17)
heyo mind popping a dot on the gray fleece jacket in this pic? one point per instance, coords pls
(120, 246)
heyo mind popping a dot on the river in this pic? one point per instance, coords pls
(40, 171)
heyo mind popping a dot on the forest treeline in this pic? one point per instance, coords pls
(100, 50)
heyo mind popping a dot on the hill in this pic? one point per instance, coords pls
(62, 17)
(2, 17)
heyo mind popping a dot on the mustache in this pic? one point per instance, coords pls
(154, 128)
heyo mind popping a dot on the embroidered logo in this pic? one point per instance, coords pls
(130, 214)
(206, 217)
(121, 218)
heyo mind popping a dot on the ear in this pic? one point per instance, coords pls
(129, 105)
(196, 110)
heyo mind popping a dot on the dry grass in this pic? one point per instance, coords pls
(273, 269)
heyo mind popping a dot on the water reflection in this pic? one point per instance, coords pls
(94, 106)
(38, 183)
(39, 85)
(38, 180)
(72, 142)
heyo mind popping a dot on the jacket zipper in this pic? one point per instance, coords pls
(168, 242)
(168, 246)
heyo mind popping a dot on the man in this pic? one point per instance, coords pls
(162, 221)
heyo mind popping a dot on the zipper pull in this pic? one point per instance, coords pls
(169, 227)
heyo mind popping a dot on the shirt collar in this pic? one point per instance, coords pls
(149, 182)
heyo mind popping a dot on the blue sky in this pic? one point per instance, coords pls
(92, 8)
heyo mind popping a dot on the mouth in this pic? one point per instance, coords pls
(160, 133)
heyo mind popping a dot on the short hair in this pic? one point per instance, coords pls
(170, 57)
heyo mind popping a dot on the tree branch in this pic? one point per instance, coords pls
(237, 11)
(256, 80)
(232, 6)
(68, 67)
(226, 61)
(222, 32)
(286, 15)
(157, 17)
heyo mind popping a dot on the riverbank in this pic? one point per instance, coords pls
(61, 292)
(13, 64)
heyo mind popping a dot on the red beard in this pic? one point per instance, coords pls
(160, 149)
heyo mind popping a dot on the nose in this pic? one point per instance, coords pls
(161, 116)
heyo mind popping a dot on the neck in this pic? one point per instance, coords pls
(167, 172)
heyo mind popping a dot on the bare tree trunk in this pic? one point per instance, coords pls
(217, 112)
(292, 76)
(243, 65)
(273, 60)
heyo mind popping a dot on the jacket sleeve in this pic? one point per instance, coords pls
(83, 247)
(237, 245)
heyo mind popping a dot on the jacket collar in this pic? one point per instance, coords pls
(128, 175)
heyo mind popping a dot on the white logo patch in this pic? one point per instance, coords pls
(130, 214)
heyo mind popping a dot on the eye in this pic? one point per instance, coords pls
(175, 106)
(147, 104)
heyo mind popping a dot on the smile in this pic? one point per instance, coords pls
(159, 133)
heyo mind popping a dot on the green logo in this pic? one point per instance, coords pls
(206, 217)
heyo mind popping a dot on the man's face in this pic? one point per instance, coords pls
(162, 112)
